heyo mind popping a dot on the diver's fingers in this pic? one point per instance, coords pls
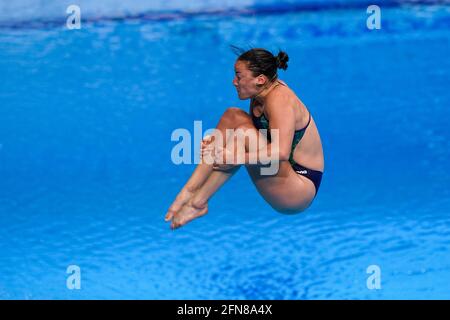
(208, 139)
(207, 148)
(204, 145)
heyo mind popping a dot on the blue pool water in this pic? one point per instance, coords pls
(86, 175)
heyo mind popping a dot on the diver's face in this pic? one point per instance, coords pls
(246, 84)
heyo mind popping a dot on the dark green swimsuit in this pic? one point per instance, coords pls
(315, 176)
(261, 122)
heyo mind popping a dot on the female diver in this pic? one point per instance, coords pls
(275, 107)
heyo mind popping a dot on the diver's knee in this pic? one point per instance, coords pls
(233, 114)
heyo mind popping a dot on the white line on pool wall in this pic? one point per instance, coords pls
(74, 19)
(374, 20)
(374, 280)
(73, 281)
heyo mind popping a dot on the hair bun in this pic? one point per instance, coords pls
(282, 59)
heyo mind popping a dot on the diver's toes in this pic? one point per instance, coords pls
(168, 216)
(175, 226)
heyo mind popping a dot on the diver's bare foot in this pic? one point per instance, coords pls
(182, 198)
(188, 213)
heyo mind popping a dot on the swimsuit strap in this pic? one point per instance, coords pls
(304, 128)
(309, 120)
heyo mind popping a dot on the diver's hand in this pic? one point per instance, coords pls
(224, 159)
(207, 150)
(221, 158)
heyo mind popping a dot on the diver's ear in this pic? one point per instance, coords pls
(260, 80)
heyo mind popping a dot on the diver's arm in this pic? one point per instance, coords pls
(281, 118)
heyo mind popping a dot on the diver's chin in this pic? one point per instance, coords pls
(241, 97)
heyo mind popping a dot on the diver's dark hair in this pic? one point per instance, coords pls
(262, 61)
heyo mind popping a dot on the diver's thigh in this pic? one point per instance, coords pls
(284, 190)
